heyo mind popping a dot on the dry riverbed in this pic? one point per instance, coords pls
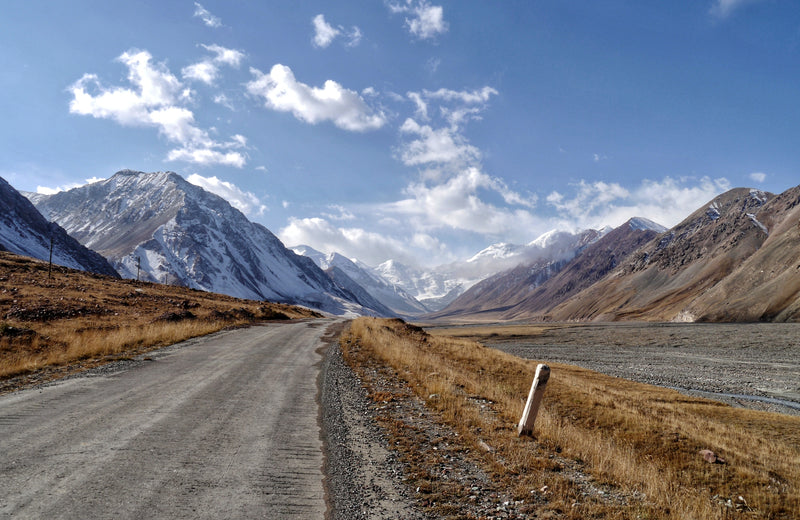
(754, 365)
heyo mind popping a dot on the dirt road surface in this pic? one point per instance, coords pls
(220, 427)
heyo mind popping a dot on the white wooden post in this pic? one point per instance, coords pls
(525, 426)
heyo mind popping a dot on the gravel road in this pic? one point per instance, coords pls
(755, 365)
(225, 429)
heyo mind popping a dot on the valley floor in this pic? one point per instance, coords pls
(753, 365)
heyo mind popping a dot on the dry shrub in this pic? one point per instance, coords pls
(639, 441)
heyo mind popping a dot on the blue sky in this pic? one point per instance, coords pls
(416, 130)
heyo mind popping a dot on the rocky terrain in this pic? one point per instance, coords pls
(754, 365)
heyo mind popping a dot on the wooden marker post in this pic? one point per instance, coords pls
(534, 401)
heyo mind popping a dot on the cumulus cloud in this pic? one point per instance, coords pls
(209, 19)
(460, 203)
(454, 192)
(344, 108)
(446, 144)
(324, 33)
(369, 247)
(155, 98)
(207, 70)
(244, 201)
(668, 201)
(723, 8)
(426, 21)
(758, 176)
(442, 145)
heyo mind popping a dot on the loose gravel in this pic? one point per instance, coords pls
(754, 365)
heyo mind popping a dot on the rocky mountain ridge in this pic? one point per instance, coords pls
(171, 231)
(24, 231)
(736, 258)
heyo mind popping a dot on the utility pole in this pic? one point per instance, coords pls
(50, 267)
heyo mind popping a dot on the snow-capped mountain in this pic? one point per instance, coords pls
(171, 231)
(391, 295)
(24, 231)
(436, 288)
(537, 263)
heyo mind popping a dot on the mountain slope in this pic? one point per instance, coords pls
(766, 286)
(24, 231)
(392, 297)
(179, 233)
(664, 277)
(589, 266)
(496, 294)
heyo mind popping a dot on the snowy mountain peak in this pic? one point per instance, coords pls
(644, 224)
(179, 233)
(499, 250)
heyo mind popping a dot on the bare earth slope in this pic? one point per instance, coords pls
(661, 280)
(224, 429)
(766, 287)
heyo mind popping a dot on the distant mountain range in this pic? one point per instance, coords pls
(164, 229)
(737, 258)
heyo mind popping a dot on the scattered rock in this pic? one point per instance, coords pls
(711, 457)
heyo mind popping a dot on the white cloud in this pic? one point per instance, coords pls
(446, 144)
(44, 190)
(371, 248)
(458, 204)
(422, 106)
(593, 205)
(443, 145)
(344, 108)
(155, 99)
(426, 21)
(723, 8)
(341, 213)
(209, 19)
(325, 33)
(207, 69)
(758, 176)
(354, 37)
(244, 201)
(467, 97)
(222, 99)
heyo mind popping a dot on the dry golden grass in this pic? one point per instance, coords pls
(639, 440)
(75, 317)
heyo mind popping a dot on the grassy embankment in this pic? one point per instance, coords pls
(639, 440)
(77, 320)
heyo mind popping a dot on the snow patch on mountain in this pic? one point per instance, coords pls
(383, 290)
(24, 231)
(179, 233)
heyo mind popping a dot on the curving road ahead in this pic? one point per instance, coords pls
(220, 427)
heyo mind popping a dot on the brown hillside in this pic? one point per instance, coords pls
(54, 323)
(766, 286)
(591, 265)
(488, 299)
(662, 279)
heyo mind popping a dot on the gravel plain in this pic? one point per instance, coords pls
(754, 365)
